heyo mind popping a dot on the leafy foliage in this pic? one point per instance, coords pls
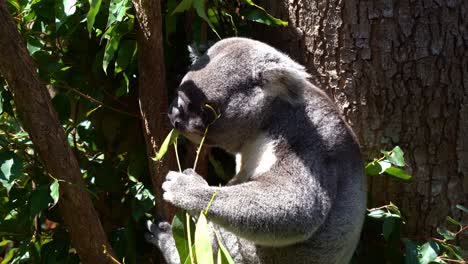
(86, 55)
(384, 226)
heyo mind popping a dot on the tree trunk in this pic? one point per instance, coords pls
(399, 72)
(153, 95)
(33, 105)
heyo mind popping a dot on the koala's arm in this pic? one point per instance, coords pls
(270, 211)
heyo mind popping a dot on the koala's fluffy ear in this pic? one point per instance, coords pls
(194, 53)
(287, 83)
(197, 50)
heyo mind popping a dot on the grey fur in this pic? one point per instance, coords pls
(299, 196)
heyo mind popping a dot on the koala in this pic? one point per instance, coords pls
(299, 193)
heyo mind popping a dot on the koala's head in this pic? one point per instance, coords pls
(240, 78)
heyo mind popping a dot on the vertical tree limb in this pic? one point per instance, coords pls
(153, 94)
(33, 104)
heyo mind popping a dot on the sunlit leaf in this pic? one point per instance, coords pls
(54, 191)
(117, 10)
(395, 156)
(377, 213)
(463, 208)
(114, 34)
(64, 9)
(199, 6)
(223, 254)
(94, 6)
(11, 167)
(168, 141)
(127, 49)
(373, 168)
(258, 14)
(182, 6)
(398, 173)
(448, 235)
(145, 200)
(203, 246)
(428, 252)
(179, 233)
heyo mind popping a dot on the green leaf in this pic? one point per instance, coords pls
(54, 191)
(33, 44)
(199, 6)
(168, 141)
(411, 252)
(182, 6)
(114, 34)
(11, 167)
(387, 227)
(223, 254)
(179, 232)
(398, 173)
(258, 14)
(377, 214)
(145, 199)
(395, 156)
(448, 235)
(40, 199)
(428, 252)
(461, 207)
(127, 49)
(453, 221)
(64, 9)
(117, 11)
(373, 168)
(203, 247)
(94, 6)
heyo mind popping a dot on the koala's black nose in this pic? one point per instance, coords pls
(177, 125)
(175, 114)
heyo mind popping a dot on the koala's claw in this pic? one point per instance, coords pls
(157, 232)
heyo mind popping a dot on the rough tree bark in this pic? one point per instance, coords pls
(153, 95)
(33, 105)
(399, 71)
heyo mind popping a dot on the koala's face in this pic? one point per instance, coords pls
(230, 77)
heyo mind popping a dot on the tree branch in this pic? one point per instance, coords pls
(153, 94)
(33, 105)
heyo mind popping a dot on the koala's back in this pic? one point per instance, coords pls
(320, 141)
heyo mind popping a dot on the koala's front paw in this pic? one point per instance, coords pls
(185, 190)
(159, 233)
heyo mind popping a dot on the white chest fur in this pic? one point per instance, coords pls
(255, 158)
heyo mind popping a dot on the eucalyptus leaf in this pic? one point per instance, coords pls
(463, 208)
(395, 156)
(182, 6)
(168, 141)
(11, 167)
(203, 246)
(411, 252)
(428, 252)
(54, 191)
(398, 173)
(373, 168)
(448, 235)
(387, 227)
(179, 232)
(94, 6)
(199, 6)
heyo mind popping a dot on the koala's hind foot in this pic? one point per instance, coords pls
(160, 234)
